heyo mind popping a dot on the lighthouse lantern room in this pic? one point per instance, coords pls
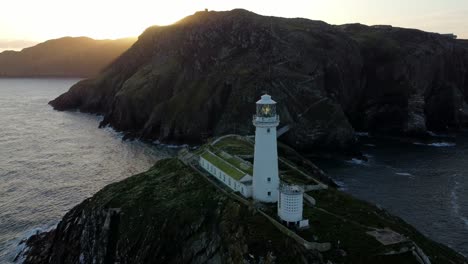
(265, 178)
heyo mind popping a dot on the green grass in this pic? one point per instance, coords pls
(342, 235)
(352, 236)
(294, 177)
(223, 165)
(237, 162)
(235, 146)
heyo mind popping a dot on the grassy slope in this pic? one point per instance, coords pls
(171, 214)
(339, 216)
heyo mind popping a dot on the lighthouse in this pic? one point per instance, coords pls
(265, 171)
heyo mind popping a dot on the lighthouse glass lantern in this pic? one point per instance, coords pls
(266, 109)
(265, 178)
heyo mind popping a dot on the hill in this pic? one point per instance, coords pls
(63, 57)
(329, 80)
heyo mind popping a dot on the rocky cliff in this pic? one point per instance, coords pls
(413, 81)
(63, 57)
(201, 76)
(166, 215)
(172, 214)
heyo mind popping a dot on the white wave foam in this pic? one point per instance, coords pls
(436, 144)
(456, 205)
(157, 142)
(442, 144)
(21, 248)
(341, 185)
(116, 133)
(356, 161)
(404, 174)
(432, 134)
(361, 134)
(465, 220)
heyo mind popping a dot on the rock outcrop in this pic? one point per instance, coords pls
(172, 214)
(166, 215)
(201, 76)
(414, 81)
(63, 57)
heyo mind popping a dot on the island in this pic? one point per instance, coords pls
(223, 202)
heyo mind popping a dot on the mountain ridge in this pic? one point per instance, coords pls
(63, 57)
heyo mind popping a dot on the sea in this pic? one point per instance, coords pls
(50, 161)
(424, 183)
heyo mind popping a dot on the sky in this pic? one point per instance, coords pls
(26, 22)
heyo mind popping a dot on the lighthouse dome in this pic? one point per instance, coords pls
(266, 99)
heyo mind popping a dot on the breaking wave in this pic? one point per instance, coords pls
(436, 144)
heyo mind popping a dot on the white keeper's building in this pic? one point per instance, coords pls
(230, 170)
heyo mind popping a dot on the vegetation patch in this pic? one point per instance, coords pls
(235, 161)
(344, 220)
(235, 146)
(223, 165)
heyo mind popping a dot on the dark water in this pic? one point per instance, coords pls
(425, 184)
(50, 161)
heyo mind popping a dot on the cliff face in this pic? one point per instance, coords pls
(414, 81)
(166, 215)
(64, 57)
(201, 76)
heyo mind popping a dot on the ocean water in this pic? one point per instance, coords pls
(50, 161)
(426, 184)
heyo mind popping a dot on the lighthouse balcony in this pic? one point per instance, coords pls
(259, 120)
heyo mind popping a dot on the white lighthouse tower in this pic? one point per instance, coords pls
(265, 172)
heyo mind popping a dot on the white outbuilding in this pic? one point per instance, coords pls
(290, 205)
(230, 170)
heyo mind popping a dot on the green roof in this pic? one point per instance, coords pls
(223, 165)
(235, 161)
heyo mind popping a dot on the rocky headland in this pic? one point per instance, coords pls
(329, 80)
(176, 213)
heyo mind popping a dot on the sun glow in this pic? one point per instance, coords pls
(46, 19)
(41, 20)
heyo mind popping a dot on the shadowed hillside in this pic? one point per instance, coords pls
(64, 57)
(328, 80)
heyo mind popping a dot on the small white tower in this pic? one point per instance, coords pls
(290, 204)
(265, 172)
